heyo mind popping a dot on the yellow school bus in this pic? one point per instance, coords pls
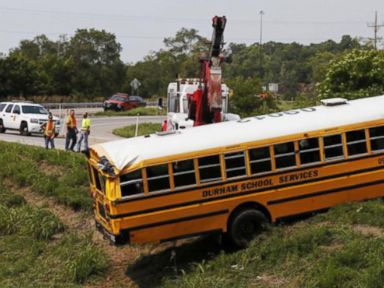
(237, 177)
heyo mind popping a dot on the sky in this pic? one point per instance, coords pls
(141, 25)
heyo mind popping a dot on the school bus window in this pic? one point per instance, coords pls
(284, 155)
(309, 151)
(333, 147)
(102, 182)
(209, 168)
(235, 164)
(184, 173)
(377, 138)
(158, 178)
(356, 142)
(98, 180)
(101, 210)
(131, 183)
(90, 174)
(260, 160)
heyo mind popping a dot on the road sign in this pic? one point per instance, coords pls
(135, 84)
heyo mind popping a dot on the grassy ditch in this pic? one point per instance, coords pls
(341, 248)
(141, 111)
(36, 250)
(144, 129)
(53, 173)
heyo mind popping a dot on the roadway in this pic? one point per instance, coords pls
(101, 131)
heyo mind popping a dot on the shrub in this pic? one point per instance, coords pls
(41, 224)
(83, 257)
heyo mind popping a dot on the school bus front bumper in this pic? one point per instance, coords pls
(120, 239)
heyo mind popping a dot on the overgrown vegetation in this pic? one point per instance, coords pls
(143, 129)
(141, 111)
(357, 74)
(52, 173)
(37, 251)
(340, 248)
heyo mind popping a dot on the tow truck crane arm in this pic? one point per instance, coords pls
(206, 102)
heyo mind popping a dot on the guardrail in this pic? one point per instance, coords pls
(88, 105)
(73, 105)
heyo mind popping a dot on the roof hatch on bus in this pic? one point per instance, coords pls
(334, 101)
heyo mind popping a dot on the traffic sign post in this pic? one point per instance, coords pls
(135, 84)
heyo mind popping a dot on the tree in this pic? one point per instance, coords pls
(320, 63)
(91, 46)
(97, 68)
(357, 74)
(245, 100)
(18, 76)
(185, 42)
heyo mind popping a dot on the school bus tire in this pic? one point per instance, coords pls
(245, 224)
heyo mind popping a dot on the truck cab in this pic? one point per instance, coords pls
(177, 103)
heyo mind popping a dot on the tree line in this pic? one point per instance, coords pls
(89, 65)
(86, 65)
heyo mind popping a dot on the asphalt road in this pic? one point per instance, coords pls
(101, 131)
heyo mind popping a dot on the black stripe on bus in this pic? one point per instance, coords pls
(325, 192)
(184, 219)
(241, 194)
(276, 173)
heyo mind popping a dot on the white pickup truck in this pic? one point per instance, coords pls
(26, 117)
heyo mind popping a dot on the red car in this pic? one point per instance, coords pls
(121, 102)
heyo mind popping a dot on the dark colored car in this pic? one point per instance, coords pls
(121, 102)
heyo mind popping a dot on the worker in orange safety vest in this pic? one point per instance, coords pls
(71, 137)
(49, 132)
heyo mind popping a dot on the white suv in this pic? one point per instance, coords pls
(25, 117)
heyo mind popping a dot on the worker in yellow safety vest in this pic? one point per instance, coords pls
(49, 132)
(85, 130)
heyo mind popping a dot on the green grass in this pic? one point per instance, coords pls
(144, 129)
(53, 173)
(141, 111)
(327, 250)
(36, 250)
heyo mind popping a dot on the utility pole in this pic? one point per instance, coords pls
(261, 13)
(376, 28)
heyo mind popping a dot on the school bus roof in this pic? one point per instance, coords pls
(123, 153)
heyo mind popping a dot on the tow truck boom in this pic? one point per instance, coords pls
(206, 102)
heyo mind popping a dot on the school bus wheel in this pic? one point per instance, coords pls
(245, 225)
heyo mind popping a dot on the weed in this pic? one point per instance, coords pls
(8, 220)
(9, 199)
(144, 129)
(324, 251)
(367, 213)
(53, 173)
(29, 256)
(83, 257)
(41, 223)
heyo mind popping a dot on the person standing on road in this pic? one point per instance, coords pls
(85, 130)
(49, 132)
(71, 138)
